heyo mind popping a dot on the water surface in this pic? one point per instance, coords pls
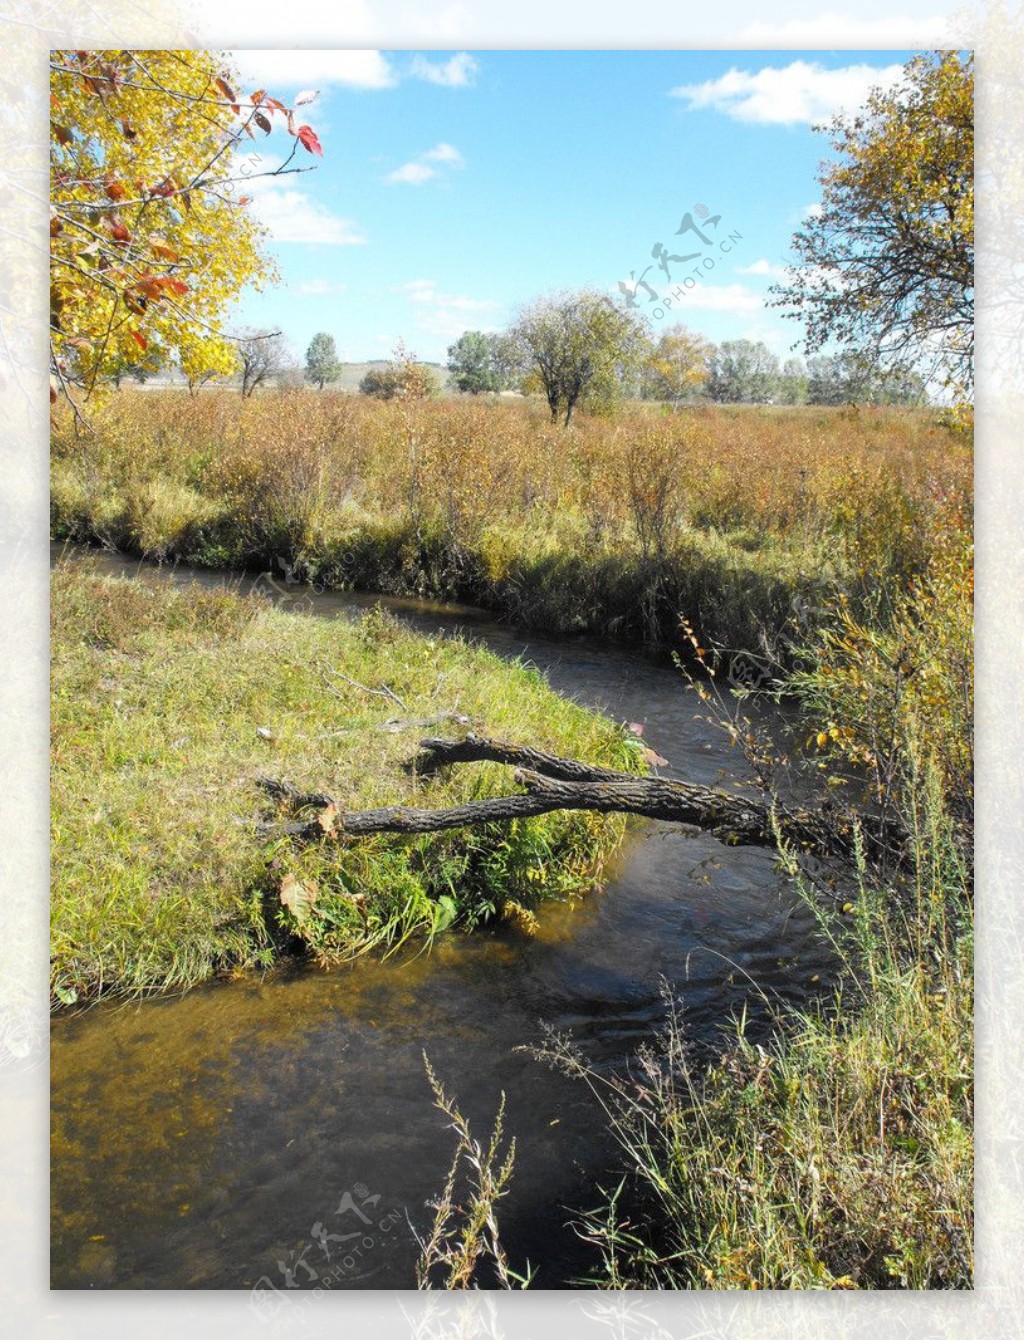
(280, 1132)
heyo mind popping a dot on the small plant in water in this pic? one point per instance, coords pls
(464, 1247)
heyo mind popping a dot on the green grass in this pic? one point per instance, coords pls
(159, 695)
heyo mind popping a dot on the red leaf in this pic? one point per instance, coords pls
(115, 190)
(139, 339)
(226, 89)
(119, 232)
(63, 134)
(262, 121)
(274, 105)
(245, 199)
(128, 131)
(162, 248)
(308, 140)
(257, 97)
(291, 123)
(150, 287)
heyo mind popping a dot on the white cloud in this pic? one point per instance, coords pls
(444, 153)
(720, 298)
(799, 92)
(417, 290)
(420, 169)
(813, 210)
(458, 72)
(281, 71)
(445, 315)
(315, 288)
(411, 174)
(425, 291)
(762, 267)
(293, 216)
(290, 215)
(836, 31)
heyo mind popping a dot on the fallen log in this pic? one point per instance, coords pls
(472, 748)
(553, 783)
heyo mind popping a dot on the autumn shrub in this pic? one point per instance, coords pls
(478, 500)
(835, 1151)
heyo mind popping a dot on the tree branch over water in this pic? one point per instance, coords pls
(551, 783)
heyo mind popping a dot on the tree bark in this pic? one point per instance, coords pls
(552, 783)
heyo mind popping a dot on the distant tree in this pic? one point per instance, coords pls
(792, 383)
(678, 366)
(509, 359)
(743, 371)
(203, 361)
(401, 379)
(121, 368)
(903, 386)
(262, 355)
(580, 345)
(887, 265)
(197, 380)
(474, 363)
(854, 378)
(322, 363)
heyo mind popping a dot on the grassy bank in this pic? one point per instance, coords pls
(618, 526)
(166, 705)
(839, 1153)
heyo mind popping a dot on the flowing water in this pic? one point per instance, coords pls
(280, 1133)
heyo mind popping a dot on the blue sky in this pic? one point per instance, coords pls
(457, 185)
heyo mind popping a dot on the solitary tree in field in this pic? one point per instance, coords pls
(579, 345)
(322, 360)
(887, 266)
(262, 354)
(473, 361)
(150, 234)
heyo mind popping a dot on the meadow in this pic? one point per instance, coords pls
(830, 547)
(724, 516)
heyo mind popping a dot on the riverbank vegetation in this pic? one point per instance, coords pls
(168, 703)
(837, 1153)
(730, 517)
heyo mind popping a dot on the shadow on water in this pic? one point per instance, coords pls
(281, 1131)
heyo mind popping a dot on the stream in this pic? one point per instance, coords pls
(278, 1133)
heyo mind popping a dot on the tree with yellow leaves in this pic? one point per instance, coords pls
(887, 265)
(678, 366)
(150, 235)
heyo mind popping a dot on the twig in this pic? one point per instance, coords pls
(382, 692)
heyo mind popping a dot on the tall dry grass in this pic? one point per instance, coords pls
(615, 526)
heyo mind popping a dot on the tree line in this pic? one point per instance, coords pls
(146, 169)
